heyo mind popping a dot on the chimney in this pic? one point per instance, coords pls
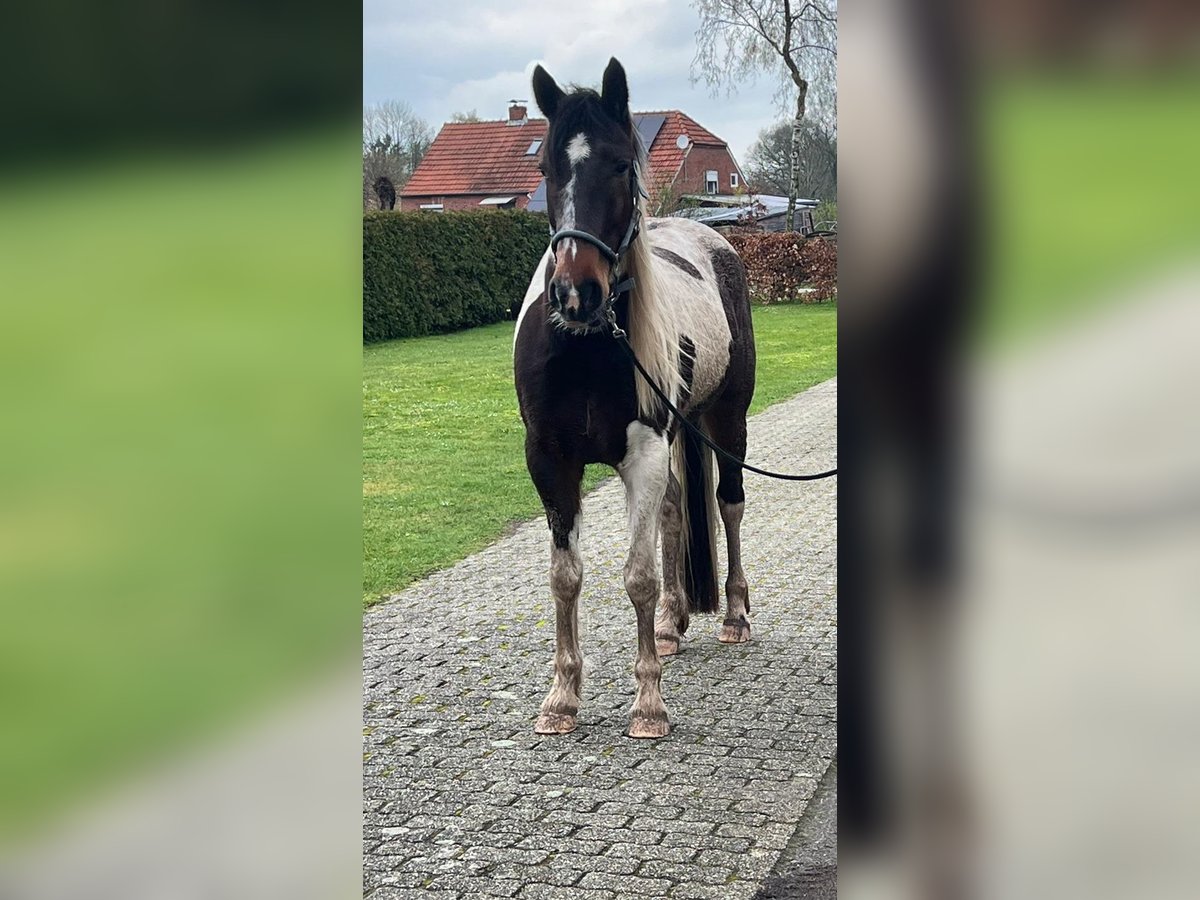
(517, 112)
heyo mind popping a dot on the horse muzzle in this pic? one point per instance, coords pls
(577, 304)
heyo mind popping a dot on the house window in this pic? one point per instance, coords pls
(733, 179)
(710, 181)
(534, 148)
(435, 205)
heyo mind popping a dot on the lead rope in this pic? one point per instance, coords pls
(622, 340)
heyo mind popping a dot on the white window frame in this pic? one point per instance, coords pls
(714, 182)
(733, 179)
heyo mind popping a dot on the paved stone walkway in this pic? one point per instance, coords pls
(462, 798)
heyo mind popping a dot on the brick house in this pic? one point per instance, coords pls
(494, 165)
(1130, 31)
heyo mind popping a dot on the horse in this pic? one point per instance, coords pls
(386, 192)
(678, 291)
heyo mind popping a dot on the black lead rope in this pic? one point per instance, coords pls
(623, 342)
(614, 259)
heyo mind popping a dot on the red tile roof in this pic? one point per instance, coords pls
(665, 156)
(491, 158)
(479, 158)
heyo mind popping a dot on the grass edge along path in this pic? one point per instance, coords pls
(443, 460)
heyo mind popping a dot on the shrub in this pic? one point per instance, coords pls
(778, 265)
(425, 273)
(826, 212)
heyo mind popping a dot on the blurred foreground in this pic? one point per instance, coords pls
(179, 373)
(176, 413)
(267, 812)
(1020, 274)
(179, 509)
(179, 514)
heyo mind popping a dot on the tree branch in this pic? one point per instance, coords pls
(795, 37)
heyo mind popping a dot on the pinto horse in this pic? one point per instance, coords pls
(678, 290)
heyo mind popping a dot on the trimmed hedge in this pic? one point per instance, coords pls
(779, 264)
(426, 273)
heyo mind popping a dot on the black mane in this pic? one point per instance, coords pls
(583, 110)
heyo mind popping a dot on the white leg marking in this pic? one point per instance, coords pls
(566, 582)
(566, 566)
(645, 471)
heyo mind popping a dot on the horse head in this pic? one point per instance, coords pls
(590, 158)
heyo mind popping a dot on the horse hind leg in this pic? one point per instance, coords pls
(736, 627)
(672, 620)
(729, 432)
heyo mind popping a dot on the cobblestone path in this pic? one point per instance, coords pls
(461, 798)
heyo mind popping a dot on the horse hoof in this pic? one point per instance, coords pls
(554, 723)
(734, 631)
(644, 727)
(666, 646)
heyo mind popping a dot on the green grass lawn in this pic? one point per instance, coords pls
(443, 445)
(179, 513)
(1091, 183)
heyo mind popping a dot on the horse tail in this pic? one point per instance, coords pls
(694, 467)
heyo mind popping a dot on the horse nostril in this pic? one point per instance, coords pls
(575, 302)
(565, 297)
(589, 295)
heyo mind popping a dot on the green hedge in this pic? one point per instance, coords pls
(425, 273)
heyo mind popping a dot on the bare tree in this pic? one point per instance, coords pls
(394, 140)
(469, 116)
(769, 162)
(794, 40)
(394, 117)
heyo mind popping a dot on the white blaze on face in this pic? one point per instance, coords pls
(577, 151)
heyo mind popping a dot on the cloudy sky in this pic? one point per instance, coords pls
(458, 55)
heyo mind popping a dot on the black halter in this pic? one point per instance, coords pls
(616, 285)
(616, 288)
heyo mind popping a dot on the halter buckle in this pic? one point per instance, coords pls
(610, 314)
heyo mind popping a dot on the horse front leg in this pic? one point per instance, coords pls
(557, 483)
(645, 471)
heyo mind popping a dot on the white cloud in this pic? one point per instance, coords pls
(452, 57)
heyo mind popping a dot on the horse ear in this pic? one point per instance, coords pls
(615, 90)
(546, 92)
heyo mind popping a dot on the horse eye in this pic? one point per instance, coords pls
(622, 167)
